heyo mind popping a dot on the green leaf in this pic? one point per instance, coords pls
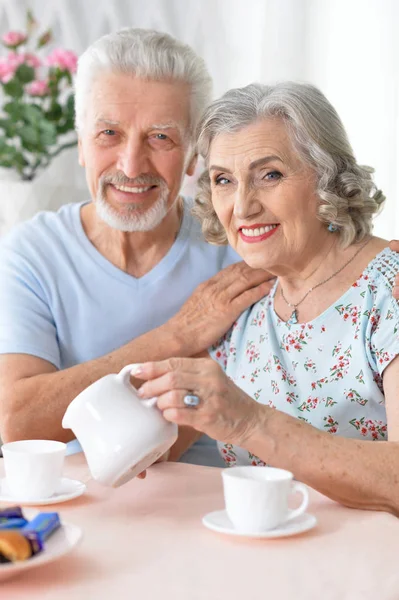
(3, 144)
(10, 156)
(30, 21)
(8, 126)
(66, 126)
(14, 109)
(30, 136)
(70, 105)
(45, 38)
(13, 88)
(25, 73)
(48, 133)
(55, 112)
(32, 113)
(20, 160)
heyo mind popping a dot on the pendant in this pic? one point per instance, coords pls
(293, 320)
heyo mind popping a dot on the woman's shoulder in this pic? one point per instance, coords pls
(382, 269)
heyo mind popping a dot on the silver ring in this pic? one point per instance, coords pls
(191, 400)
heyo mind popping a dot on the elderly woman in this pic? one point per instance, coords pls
(307, 379)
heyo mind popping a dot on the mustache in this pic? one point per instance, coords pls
(141, 180)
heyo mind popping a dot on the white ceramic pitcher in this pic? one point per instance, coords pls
(120, 434)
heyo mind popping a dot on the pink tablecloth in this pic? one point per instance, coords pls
(145, 541)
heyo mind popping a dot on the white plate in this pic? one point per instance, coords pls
(67, 490)
(61, 542)
(220, 522)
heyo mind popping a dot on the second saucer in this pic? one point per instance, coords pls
(219, 521)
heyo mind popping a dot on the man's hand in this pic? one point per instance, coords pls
(216, 304)
(394, 245)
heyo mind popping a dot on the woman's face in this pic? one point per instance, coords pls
(265, 197)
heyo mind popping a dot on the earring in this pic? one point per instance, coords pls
(331, 227)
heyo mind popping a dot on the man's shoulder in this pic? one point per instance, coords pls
(46, 229)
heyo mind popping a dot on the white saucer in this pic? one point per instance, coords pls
(67, 490)
(220, 522)
(62, 541)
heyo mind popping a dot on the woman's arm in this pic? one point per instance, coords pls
(357, 473)
(360, 474)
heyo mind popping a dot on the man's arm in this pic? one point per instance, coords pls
(34, 394)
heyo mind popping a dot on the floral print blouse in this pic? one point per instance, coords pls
(327, 372)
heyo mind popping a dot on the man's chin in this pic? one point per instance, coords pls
(129, 218)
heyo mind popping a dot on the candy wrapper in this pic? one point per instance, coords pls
(11, 512)
(12, 523)
(40, 528)
(24, 539)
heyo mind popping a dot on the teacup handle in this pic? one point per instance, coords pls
(124, 375)
(302, 489)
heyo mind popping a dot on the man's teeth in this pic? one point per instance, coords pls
(258, 230)
(132, 190)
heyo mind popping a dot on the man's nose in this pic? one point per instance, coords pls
(133, 159)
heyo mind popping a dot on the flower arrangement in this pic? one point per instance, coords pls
(37, 112)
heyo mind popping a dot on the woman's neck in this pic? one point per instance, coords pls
(311, 293)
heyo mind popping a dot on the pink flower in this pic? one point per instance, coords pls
(65, 60)
(7, 70)
(32, 60)
(38, 87)
(12, 39)
(9, 65)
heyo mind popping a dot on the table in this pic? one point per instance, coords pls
(145, 541)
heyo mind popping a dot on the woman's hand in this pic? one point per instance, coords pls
(225, 412)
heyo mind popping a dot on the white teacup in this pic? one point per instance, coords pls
(121, 434)
(33, 468)
(257, 497)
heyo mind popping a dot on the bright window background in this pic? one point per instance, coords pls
(349, 48)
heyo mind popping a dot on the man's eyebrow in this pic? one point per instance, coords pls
(169, 125)
(253, 165)
(102, 121)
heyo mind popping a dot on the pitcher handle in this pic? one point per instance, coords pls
(124, 376)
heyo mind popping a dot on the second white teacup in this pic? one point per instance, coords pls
(257, 498)
(33, 468)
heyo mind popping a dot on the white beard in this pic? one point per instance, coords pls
(134, 220)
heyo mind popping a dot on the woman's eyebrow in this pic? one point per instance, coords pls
(263, 161)
(253, 165)
(217, 168)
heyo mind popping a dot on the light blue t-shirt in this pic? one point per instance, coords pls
(62, 301)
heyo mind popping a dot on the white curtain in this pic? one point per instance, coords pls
(348, 48)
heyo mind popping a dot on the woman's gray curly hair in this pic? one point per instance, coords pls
(348, 196)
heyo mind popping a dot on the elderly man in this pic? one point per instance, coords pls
(83, 289)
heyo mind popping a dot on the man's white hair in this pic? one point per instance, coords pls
(149, 55)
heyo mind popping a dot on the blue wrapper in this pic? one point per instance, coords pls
(12, 512)
(12, 523)
(42, 526)
(36, 543)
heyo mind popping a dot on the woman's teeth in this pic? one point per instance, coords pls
(132, 190)
(258, 230)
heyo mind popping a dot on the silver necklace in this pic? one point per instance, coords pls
(293, 319)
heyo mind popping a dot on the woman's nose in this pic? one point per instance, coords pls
(245, 203)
